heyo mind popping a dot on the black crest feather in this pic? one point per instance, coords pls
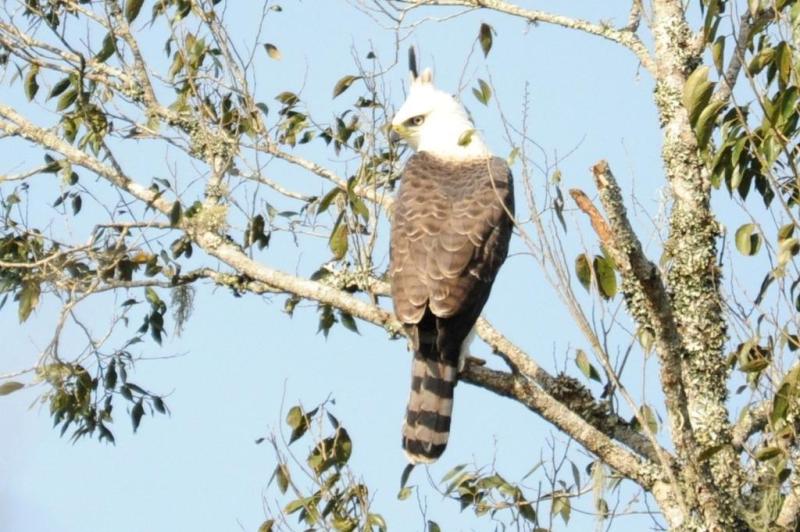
(412, 62)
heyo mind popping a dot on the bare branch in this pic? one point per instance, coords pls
(753, 421)
(17, 125)
(626, 37)
(24, 175)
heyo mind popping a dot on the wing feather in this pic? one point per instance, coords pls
(449, 235)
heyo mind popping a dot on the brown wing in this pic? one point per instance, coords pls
(450, 235)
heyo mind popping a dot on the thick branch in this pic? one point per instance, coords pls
(523, 391)
(630, 465)
(693, 276)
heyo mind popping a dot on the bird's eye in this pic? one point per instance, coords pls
(418, 120)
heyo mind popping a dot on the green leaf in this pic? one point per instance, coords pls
(709, 452)
(31, 85)
(483, 93)
(344, 84)
(780, 403)
(748, 239)
(295, 417)
(158, 404)
(273, 51)
(67, 99)
(359, 207)
(606, 278)
(585, 366)
(433, 527)
(786, 250)
(282, 477)
(287, 98)
(697, 92)
(28, 299)
(705, 123)
(583, 270)
(60, 87)
(404, 493)
(718, 52)
(752, 357)
(267, 526)
(646, 338)
(767, 453)
(768, 279)
(10, 387)
(762, 59)
(562, 507)
(152, 296)
(406, 474)
(108, 49)
(784, 63)
(298, 421)
(576, 474)
(485, 38)
(785, 232)
(132, 8)
(649, 417)
(327, 199)
(77, 202)
(175, 213)
(347, 320)
(376, 520)
(136, 414)
(110, 377)
(466, 137)
(453, 472)
(295, 505)
(338, 238)
(526, 510)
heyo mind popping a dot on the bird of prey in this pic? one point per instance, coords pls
(451, 226)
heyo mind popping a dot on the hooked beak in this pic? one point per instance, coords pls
(394, 135)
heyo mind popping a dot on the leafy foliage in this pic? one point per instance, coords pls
(321, 491)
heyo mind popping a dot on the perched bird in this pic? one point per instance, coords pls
(451, 225)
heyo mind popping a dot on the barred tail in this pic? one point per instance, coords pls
(427, 423)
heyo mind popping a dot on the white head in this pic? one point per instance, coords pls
(433, 121)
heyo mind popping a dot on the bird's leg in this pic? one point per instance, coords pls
(462, 356)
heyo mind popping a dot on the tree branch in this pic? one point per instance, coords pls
(750, 423)
(747, 27)
(648, 303)
(790, 510)
(626, 37)
(523, 391)
(693, 276)
(19, 126)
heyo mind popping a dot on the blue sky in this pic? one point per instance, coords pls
(242, 358)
